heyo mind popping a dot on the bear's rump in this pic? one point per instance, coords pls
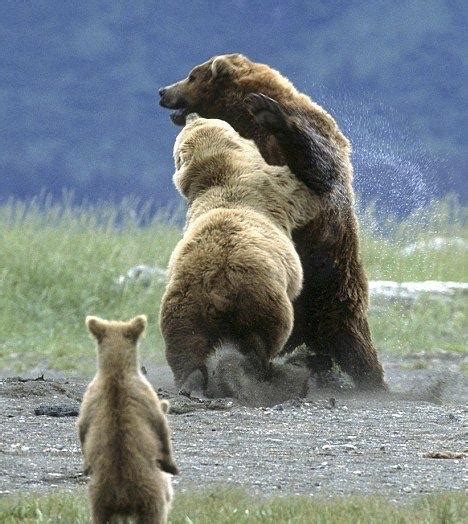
(228, 266)
(234, 251)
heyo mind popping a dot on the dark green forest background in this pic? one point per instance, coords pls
(79, 82)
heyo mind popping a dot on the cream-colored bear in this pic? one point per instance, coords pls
(233, 276)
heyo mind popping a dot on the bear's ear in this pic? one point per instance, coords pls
(182, 181)
(165, 406)
(191, 117)
(96, 326)
(136, 327)
(221, 66)
(178, 160)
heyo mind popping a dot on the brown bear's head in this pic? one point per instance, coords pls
(217, 89)
(202, 88)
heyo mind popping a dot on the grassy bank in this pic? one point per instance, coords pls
(59, 264)
(234, 507)
(385, 245)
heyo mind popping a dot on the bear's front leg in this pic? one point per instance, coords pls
(313, 158)
(267, 113)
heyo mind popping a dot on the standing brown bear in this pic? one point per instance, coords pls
(289, 128)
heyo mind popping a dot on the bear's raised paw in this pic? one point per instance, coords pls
(266, 111)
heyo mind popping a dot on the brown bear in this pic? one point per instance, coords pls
(232, 277)
(123, 431)
(290, 129)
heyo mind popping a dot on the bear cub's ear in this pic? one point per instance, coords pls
(136, 327)
(96, 326)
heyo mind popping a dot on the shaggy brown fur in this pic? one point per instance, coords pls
(233, 275)
(123, 431)
(289, 128)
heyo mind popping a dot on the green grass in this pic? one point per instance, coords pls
(59, 264)
(382, 244)
(430, 324)
(225, 506)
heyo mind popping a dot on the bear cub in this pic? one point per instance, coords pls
(123, 431)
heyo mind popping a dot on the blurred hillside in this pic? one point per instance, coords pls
(79, 82)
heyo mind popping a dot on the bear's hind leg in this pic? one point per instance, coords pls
(186, 352)
(263, 336)
(155, 516)
(100, 515)
(353, 350)
(256, 349)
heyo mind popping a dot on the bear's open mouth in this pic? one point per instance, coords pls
(180, 110)
(178, 116)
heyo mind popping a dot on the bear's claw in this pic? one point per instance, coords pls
(266, 111)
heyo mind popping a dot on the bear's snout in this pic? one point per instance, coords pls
(164, 99)
(171, 98)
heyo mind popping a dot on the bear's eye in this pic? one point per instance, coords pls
(191, 77)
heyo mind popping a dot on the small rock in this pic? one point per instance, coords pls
(293, 403)
(59, 410)
(143, 274)
(445, 455)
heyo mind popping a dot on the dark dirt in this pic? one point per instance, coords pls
(411, 441)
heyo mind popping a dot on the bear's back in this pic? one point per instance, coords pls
(120, 437)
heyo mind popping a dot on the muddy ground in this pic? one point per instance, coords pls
(332, 443)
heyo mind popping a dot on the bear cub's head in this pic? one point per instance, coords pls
(116, 340)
